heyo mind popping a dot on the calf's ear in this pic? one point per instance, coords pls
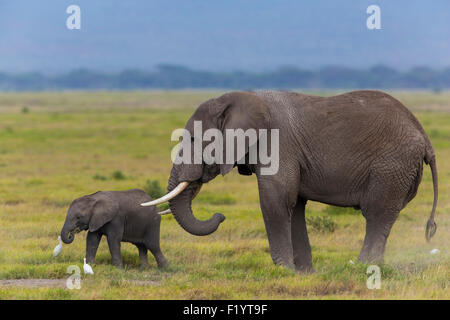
(103, 211)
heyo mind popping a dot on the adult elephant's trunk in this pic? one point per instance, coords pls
(66, 234)
(182, 211)
(181, 207)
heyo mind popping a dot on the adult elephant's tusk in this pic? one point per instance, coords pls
(172, 194)
(165, 212)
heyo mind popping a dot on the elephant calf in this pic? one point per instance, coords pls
(118, 215)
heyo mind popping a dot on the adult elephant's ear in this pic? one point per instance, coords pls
(234, 111)
(103, 211)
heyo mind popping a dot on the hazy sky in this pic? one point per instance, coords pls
(222, 34)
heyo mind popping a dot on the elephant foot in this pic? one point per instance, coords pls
(118, 265)
(143, 267)
(163, 265)
(305, 269)
(371, 260)
(281, 263)
(371, 256)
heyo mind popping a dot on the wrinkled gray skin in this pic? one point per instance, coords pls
(118, 216)
(362, 149)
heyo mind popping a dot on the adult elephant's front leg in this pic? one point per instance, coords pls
(300, 240)
(276, 214)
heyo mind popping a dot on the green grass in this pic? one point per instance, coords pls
(321, 224)
(154, 189)
(55, 147)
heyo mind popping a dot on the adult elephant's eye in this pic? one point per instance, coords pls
(78, 218)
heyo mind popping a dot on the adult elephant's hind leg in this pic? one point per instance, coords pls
(392, 185)
(276, 214)
(300, 241)
(379, 221)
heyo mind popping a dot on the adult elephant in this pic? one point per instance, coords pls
(361, 149)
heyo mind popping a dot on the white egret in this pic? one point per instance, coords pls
(87, 268)
(58, 248)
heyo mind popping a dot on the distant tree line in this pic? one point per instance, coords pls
(179, 77)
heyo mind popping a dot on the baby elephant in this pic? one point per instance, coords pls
(118, 215)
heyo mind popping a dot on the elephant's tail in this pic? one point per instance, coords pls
(431, 225)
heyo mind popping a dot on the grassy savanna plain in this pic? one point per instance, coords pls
(55, 147)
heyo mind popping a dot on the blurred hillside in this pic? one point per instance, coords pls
(179, 77)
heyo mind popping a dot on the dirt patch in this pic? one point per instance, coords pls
(14, 202)
(34, 283)
(143, 282)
